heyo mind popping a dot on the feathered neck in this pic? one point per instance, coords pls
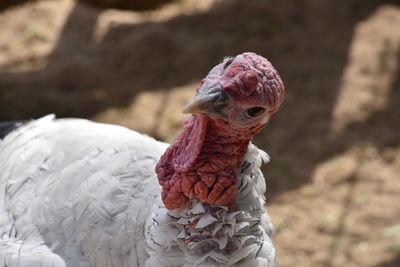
(202, 163)
(210, 235)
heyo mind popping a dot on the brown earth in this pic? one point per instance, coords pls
(9, 3)
(128, 4)
(334, 177)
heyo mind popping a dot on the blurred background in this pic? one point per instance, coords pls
(333, 182)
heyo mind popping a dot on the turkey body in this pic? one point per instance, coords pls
(71, 189)
(77, 193)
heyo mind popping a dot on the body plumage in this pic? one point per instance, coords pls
(76, 193)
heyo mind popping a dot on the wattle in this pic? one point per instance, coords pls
(202, 163)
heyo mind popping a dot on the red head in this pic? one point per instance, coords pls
(243, 91)
(235, 101)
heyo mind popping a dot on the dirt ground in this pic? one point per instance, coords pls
(333, 182)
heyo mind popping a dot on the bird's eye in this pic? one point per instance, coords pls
(256, 111)
(228, 62)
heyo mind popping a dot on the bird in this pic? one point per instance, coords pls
(77, 193)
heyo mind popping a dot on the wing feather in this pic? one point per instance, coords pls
(77, 182)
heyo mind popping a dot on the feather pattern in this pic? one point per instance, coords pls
(77, 193)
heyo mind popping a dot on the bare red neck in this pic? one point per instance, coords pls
(202, 163)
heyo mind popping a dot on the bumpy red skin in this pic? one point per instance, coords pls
(202, 163)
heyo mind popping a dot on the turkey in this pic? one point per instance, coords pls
(78, 193)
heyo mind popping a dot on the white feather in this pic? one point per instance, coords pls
(76, 193)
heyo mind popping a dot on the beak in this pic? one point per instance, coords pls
(209, 102)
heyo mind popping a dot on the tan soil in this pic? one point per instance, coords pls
(333, 181)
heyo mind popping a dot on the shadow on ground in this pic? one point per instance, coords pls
(391, 263)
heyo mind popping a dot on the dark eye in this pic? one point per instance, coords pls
(228, 62)
(256, 111)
